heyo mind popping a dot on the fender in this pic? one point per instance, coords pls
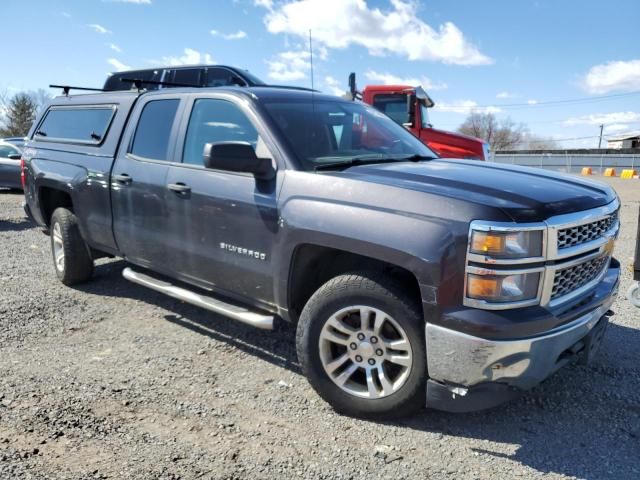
(427, 247)
(88, 187)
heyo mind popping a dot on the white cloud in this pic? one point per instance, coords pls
(289, 66)
(603, 119)
(115, 47)
(613, 76)
(65, 14)
(391, 79)
(264, 3)
(398, 30)
(616, 127)
(532, 102)
(190, 57)
(334, 86)
(506, 95)
(118, 65)
(240, 34)
(99, 28)
(465, 107)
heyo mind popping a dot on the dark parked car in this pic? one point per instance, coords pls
(411, 279)
(193, 75)
(10, 156)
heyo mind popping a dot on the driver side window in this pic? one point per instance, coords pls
(212, 121)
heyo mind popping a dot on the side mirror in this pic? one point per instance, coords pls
(411, 111)
(352, 85)
(237, 157)
(14, 156)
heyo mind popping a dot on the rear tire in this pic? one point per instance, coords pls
(360, 343)
(71, 256)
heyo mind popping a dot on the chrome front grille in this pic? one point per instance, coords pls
(581, 234)
(568, 280)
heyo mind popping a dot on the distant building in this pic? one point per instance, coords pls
(624, 141)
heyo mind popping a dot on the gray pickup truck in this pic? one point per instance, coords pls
(412, 280)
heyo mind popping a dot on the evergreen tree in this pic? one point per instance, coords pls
(19, 114)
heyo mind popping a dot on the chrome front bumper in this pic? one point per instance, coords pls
(460, 360)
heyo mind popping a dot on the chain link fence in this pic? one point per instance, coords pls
(571, 163)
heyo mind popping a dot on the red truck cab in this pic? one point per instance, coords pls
(408, 106)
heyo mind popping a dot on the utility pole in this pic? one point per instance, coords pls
(600, 142)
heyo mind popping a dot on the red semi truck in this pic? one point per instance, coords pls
(408, 106)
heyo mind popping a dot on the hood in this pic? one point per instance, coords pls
(524, 194)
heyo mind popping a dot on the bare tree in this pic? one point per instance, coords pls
(40, 97)
(500, 134)
(537, 142)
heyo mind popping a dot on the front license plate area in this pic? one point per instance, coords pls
(593, 341)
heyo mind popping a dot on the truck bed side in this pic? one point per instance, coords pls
(60, 172)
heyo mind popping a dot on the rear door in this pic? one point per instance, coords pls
(138, 182)
(222, 225)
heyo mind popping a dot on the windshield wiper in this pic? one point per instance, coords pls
(368, 159)
(416, 158)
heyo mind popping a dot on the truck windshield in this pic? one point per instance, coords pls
(424, 116)
(393, 104)
(333, 132)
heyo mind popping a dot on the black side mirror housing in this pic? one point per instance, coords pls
(14, 156)
(237, 157)
(353, 90)
(411, 111)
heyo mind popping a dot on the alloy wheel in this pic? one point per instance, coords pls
(365, 352)
(58, 247)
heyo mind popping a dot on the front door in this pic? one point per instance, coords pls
(138, 184)
(222, 224)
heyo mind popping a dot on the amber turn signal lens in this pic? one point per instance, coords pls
(487, 242)
(510, 244)
(503, 288)
(482, 287)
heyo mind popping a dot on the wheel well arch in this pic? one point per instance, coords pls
(52, 198)
(313, 265)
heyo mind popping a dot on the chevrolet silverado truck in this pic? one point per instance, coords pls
(412, 280)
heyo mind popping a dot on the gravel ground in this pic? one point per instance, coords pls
(111, 380)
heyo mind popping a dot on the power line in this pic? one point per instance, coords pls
(549, 102)
(534, 141)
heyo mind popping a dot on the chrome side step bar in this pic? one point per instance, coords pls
(228, 310)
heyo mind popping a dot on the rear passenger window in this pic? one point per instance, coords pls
(187, 76)
(217, 121)
(221, 77)
(77, 124)
(154, 129)
(115, 81)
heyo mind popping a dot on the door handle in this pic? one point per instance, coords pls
(180, 188)
(122, 178)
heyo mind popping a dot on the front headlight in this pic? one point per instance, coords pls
(504, 245)
(503, 288)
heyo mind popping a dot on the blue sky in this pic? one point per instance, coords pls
(468, 54)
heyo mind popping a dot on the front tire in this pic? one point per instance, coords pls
(71, 255)
(360, 343)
